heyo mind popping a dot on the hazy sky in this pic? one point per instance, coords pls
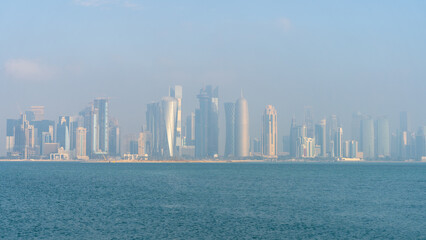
(337, 56)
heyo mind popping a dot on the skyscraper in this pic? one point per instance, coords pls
(80, 147)
(101, 126)
(338, 143)
(309, 122)
(230, 129)
(320, 137)
(190, 129)
(63, 132)
(153, 123)
(403, 121)
(170, 108)
(207, 123)
(367, 137)
(38, 112)
(114, 138)
(382, 138)
(269, 132)
(176, 92)
(242, 138)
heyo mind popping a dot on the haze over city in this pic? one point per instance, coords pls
(339, 58)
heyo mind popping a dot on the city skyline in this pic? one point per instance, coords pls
(316, 56)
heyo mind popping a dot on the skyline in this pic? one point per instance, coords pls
(163, 136)
(62, 54)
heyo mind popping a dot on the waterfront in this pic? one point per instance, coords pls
(184, 201)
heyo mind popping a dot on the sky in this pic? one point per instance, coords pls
(339, 57)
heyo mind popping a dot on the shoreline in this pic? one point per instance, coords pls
(205, 161)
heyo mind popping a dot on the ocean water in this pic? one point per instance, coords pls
(212, 201)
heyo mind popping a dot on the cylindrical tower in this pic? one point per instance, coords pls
(242, 138)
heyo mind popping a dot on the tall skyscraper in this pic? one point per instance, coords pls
(176, 92)
(320, 137)
(332, 125)
(338, 143)
(63, 132)
(269, 132)
(80, 147)
(207, 123)
(356, 126)
(190, 129)
(170, 108)
(153, 122)
(101, 126)
(242, 137)
(309, 122)
(382, 138)
(230, 129)
(114, 138)
(367, 137)
(421, 143)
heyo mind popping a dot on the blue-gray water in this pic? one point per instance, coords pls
(213, 201)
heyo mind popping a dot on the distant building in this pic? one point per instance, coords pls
(367, 137)
(80, 147)
(382, 138)
(338, 143)
(176, 92)
(190, 130)
(269, 132)
(230, 129)
(114, 138)
(207, 123)
(320, 137)
(242, 137)
(38, 112)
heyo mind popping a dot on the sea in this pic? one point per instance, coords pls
(63, 200)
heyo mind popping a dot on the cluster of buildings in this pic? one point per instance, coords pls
(94, 134)
(371, 139)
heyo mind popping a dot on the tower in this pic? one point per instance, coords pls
(230, 129)
(367, 137)
(242, 138)
(269, 132)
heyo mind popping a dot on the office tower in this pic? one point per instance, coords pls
(242, 138)
(144, 143)
(403, 121)
(38, 112)
(320, 137)
(382, 138)
(11, 125)
(87, 115)
(269, 132)
(367, 137)
(114, 138)
(176, 92)
(207, 123)
(63, 132)
(309, 122)
(338, 143)
(169, 109)
(100, 130)
(332, 125)
(134, 147)
(346, 149)
(353, 149)
(43, 127)
(153, 123)
(190, 129)
(308, 147)
(293, 137)
(421, 143)
(80, 146)
(230, 128)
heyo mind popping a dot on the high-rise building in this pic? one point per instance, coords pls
(170, 108)
(190, 130)
(320, 137)
(269, 132)
(332, 125)
(421, 143)
(382, 138)
(338, 143)
(80, 146)
(207, 123)
(176, 92)
(242, 137)
(101, 125)
(404, 121)
(230, 129)
(114, 138)
(153, 122)
(367, 137)
(356, 126)
(63, 132)
(309, 122)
